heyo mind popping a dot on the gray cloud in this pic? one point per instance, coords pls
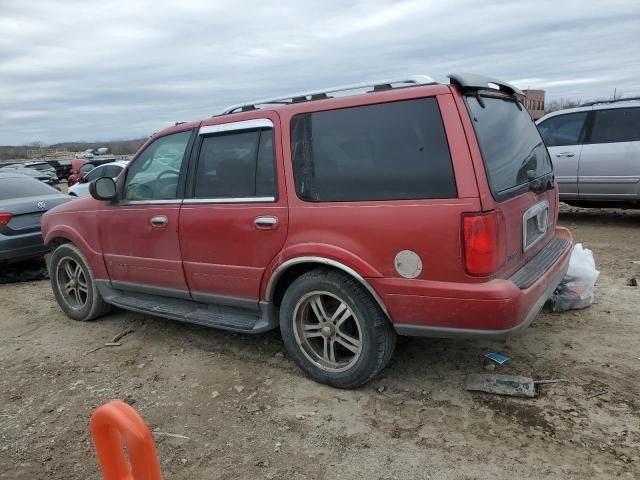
(80, 70)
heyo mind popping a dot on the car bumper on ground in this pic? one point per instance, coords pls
(496, 309)
(21, 247)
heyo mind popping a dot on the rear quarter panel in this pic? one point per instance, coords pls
(366, 236)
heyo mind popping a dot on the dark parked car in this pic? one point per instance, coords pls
(23, 200)
(29, 172)
(62, 167)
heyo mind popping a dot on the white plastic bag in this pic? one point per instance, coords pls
(576, 288)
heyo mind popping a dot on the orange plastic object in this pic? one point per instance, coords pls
(114, 424)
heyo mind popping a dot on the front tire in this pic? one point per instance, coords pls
(74, 284)
(334, 330)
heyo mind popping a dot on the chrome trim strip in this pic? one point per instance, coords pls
(609, 179)
(196, 201)
(277, 273)
(151, 202)
(530, 213)
(243, 125)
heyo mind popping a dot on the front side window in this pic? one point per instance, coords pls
(86, 168)
(616, 125)
(562, 130)
(96, 173)
(390, 151)
(238, 164)
(154, 174)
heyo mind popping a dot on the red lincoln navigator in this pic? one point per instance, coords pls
(344, 217)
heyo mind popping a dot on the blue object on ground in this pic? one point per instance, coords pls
(497, 357)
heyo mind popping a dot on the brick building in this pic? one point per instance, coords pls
(534, 103)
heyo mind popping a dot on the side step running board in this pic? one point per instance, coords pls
(216, 316)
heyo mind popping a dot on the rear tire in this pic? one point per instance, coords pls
(334, 330)
(74, 284)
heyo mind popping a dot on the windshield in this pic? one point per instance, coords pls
(513, 151)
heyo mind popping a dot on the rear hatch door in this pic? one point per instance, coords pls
(519, 175)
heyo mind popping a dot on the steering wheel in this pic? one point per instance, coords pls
(139, 191)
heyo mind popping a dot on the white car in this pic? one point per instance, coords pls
(112, 169)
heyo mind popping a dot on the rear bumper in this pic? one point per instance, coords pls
(494, 309)
(21, 247)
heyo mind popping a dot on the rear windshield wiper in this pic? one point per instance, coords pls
(541, 184)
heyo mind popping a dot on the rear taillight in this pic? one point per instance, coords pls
(4, 218)
(484, 243)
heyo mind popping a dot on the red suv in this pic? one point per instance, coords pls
(409, 207)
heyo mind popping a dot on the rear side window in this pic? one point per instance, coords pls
(616, 125)
(23, 187)
(391, 151)
(563, 130)
(236, 165)
(512, 148)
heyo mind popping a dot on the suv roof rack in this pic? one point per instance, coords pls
(604, 102)
(471, 81)
(377, 86)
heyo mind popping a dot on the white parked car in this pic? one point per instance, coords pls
(112, 169)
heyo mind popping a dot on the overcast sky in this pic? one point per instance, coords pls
(118, 69)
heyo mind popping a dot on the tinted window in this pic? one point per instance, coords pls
(513, 151)
(87, 167)
(113, 171)
(154, 174)
(562, 130)
(23, 187)
(235, 165)
(389, 151)
(616, 125)
(96, 173)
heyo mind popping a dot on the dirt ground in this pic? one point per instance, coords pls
(247, 412)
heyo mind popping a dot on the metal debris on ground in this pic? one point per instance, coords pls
(499, 358)
(120, 335)
(511, 385)
(597, 394)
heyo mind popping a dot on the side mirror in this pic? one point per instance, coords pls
(82, 180)
(103, 188)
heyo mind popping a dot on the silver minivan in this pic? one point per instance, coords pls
(595, 150)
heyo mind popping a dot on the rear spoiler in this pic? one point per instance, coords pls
(472, 82)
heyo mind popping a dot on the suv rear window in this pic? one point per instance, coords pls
(513, 151)
(391, 151)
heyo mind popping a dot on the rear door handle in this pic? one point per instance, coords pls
(565, 154)
(266, 223)
(159, 221)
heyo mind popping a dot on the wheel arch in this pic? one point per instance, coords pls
(291, 269)
(62, 234)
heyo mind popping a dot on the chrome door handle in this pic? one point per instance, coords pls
(265, 222)
(566, 154)
(159, 221)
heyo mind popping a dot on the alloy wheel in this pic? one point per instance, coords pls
(73, 283)
(327, 331)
